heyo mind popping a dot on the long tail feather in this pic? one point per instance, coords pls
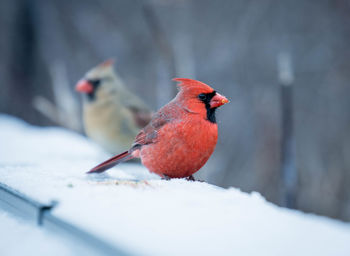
(125, 156)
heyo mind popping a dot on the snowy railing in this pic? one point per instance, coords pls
(40, 214)
(128, 211)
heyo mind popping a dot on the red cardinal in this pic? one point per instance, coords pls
(180, 137)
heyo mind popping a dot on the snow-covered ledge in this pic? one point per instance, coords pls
(155, 217)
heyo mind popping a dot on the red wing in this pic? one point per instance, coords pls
(149, 134)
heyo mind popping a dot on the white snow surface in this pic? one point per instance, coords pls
(153, 216)
(17, 237)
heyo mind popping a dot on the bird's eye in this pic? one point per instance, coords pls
(95, 82)
(202, 96)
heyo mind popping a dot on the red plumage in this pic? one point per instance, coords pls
(181, 136)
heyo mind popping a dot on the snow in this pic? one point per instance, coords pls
(138, 212)
(20, 238)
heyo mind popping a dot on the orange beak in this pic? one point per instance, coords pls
(84, 86)
(218, 100)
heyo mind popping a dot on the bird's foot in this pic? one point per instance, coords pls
(166, 177)
(191, 178)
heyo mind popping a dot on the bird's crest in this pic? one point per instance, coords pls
(107, 63)
(103, 69)
(187, 83)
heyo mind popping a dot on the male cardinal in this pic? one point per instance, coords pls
(180, 137)
(112, 114)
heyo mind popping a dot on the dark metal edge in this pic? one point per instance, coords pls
(40, 214)
(58, 225)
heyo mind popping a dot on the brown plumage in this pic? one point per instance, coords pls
(112, 114)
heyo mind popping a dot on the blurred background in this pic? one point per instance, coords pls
(235, 46)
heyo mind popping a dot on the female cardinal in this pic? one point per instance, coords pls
(180, 137)
(112, 114)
